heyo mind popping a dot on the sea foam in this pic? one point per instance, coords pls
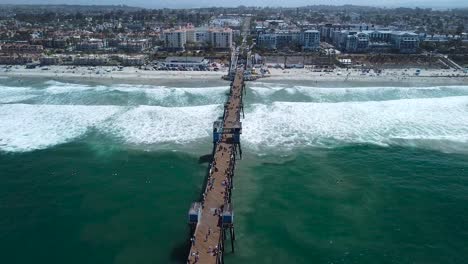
(285, 124)
(271, 93)
(333, 117)
(29, 127)
(156, 124)
(70, 93)
(16, 94)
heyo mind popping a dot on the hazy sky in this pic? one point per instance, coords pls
(205, 3)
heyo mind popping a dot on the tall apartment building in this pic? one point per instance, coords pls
(287, 38)
(175, 39)
(405, 42)
(376, 41)
(198, 35)
(351, 41)
(221, 38)
(267, 40)
(307, 40)
(311, 39)
(218, 38)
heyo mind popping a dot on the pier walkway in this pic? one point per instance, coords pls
(207, 242)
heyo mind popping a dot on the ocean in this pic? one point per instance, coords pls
(104, 172)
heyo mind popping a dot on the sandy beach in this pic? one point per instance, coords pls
(337, 75)
(102, 72)
(387, 75)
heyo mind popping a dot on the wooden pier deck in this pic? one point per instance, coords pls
(207, 244)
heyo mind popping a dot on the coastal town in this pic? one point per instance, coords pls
(315, 40)
(213, 132)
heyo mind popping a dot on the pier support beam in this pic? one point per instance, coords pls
(242, 108)
(240, 151)
(233, 237)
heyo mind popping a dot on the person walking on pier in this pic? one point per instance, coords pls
(195, 255)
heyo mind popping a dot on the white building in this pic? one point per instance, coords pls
(280, 39)
(226, 22)
(175, 39)
(376, 41)
(405, 42)
(189, 62)
(134, 45)
(221, 38)
(267, 40)
(351, 41)
(132, 60)
(198, 35)
(91, 44)
(311, 39)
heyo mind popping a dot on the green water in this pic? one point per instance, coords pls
(88, 176)
(70, 204)
(359, 204)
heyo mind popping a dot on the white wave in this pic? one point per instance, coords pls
(379, 122)
(60, 87)
(29, 127)
(70, 93)
(265, 91)
(72, 88)
(270, 90)
(155, 124)
(56, 87)
(377, 90)
(161, 94)
(15, 98)
(183, 94)
(15, 94)
(338, 94)
(280, 124)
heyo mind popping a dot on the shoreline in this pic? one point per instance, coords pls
(135, 75)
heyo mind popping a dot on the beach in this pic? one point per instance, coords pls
(134, 74)
(387, 75)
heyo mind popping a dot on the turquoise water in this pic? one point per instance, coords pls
(337, 173)
(358, 204)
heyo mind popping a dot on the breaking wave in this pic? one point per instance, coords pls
(376, 122)
(121, 94)
(272, 93)
(30, 127)
(276, 116)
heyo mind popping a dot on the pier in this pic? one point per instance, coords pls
(212, 220)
